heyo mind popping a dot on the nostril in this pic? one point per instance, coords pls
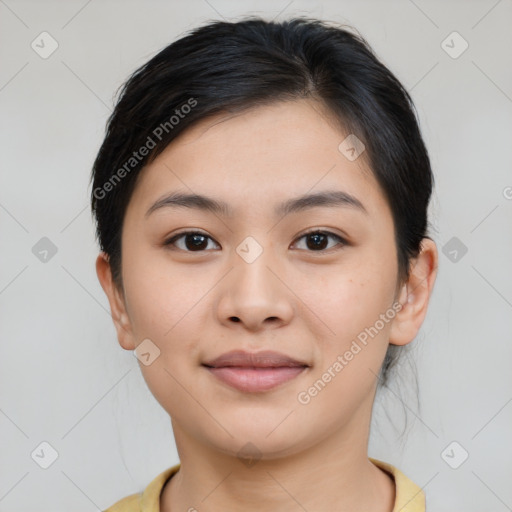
(235, 319)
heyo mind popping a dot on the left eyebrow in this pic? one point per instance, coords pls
(328, 198)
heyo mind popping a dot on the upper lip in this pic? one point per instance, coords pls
(264, 359)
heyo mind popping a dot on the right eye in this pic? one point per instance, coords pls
(193, 241)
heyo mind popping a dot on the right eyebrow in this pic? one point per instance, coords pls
(197, 201)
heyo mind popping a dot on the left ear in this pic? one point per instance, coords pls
(415, 295)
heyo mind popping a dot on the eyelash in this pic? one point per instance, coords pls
(174, 238)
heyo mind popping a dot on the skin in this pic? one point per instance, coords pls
(307, 303)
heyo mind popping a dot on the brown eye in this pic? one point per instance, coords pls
(319, 240)
(193, 241)
(196, 241)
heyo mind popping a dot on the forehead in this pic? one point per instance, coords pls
(261, 156)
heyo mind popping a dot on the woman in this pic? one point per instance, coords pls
(261, 202)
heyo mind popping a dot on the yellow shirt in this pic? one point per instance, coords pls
(409, 497)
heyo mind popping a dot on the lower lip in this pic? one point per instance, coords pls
(256, 379)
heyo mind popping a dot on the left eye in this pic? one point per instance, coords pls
(195, 241)
(318, 240)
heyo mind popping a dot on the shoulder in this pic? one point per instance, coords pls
(147, 500)
(128, 504)
(409, 496)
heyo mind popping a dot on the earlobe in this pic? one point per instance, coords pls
(415, 295)
(117, 304)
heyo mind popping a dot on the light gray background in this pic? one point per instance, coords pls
(63, 377)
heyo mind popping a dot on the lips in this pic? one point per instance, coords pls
(255, 372)
(265, 359)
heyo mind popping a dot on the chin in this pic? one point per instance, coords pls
(265, 443)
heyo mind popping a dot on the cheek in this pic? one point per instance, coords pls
(348, 300)
(353, 345)
(164, 305)
(161, 296)
(350, 303)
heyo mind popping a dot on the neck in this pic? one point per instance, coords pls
(334, 474)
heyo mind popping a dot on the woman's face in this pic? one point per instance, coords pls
(254, 282)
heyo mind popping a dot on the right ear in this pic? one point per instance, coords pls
(117, 303)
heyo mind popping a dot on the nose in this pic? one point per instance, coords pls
(254, 295)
